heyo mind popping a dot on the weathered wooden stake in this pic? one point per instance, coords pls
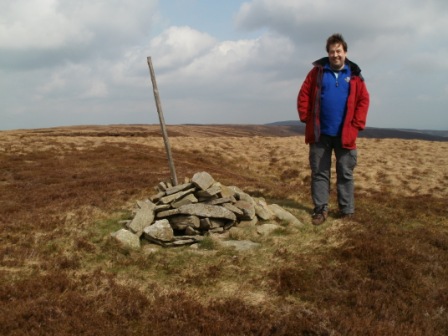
(162, 123)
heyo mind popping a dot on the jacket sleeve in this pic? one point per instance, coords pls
(304, 98)
(362, 107)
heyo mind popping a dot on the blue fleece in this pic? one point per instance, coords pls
(333, 100)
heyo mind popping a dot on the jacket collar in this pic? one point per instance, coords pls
(354, 68)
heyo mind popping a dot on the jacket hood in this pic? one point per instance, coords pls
(354, 68)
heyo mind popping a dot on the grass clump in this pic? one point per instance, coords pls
(209, 243)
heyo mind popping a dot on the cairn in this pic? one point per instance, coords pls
(186, 213)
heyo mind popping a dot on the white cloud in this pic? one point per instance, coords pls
(87, 58)
(375, 30)
(186, 54)
(428, 62)
(131, 69)
(97, 89)
(379, 16)
(222, 79)
(38, 24)
(74, 81)
(79, 28)
(179, 45)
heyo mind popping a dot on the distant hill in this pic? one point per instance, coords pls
(378, 133)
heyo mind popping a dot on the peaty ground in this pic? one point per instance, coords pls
(64, 190)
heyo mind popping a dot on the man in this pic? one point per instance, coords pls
(333, 102)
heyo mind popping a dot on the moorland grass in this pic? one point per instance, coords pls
(382, 273)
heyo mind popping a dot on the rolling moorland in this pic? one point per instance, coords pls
(378, 133)
(64, 190)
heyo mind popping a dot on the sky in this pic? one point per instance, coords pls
(84, 62)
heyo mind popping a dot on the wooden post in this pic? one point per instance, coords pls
(162, 123)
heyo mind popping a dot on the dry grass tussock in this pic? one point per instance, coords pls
(63, 190)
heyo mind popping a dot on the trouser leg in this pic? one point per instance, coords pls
(320, 163)
(345, 164)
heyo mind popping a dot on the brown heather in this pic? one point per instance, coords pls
(63, 190)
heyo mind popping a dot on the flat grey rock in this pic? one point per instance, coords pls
(160, 231)
(284, 215)
(202, 180)
(143, 217)
(207, 210)
(178, 188)
(127, 239)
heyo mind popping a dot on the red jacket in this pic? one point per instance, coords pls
(308, 104)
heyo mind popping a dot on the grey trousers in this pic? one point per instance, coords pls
(320, 163)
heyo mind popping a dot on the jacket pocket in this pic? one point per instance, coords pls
(349, 136)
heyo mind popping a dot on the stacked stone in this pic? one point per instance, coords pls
(183, 214)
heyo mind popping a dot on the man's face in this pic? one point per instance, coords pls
(337, 56)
